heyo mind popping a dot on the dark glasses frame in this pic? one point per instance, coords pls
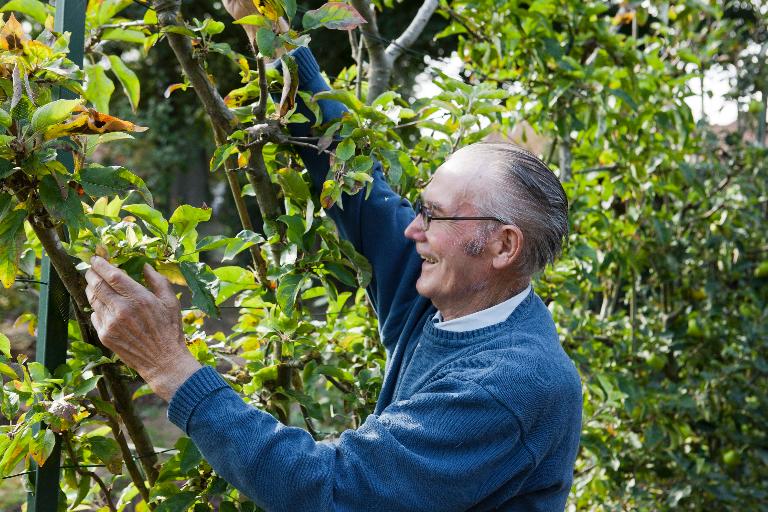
(427, 217)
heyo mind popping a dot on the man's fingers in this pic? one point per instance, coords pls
(159, 284)
(96, 321)
(117, 279)
(98, 291)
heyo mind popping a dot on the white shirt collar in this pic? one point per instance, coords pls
(484, 317)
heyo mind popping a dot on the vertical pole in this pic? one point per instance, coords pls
(53, 307)
(53, 312)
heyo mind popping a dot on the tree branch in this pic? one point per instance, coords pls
(83, 473)
(412, 32)
(222, 119)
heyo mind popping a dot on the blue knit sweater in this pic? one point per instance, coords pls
(479, 420)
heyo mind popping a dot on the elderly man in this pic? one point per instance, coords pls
(480, 407)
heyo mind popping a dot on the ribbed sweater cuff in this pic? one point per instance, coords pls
(309, 69)
(195, 389)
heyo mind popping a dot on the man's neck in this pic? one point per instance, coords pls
(482, 301)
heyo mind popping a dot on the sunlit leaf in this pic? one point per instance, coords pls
(34, 8)
(52, 113)
(128, 79)
(151, 217)
(5, 345)
(99, 87)
(11, 244)
(186, 218)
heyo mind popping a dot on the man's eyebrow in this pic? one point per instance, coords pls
(432, 205)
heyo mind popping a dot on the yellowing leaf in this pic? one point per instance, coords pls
(272, 9)
(12, 35)
(89, 121)
(171, 272)
(41, 446)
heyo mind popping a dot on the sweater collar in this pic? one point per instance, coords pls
(438, 336)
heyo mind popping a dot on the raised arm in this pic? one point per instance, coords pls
(374, 226)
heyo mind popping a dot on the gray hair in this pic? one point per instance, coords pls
(522, 190)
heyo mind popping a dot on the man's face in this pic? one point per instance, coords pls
(456, 268)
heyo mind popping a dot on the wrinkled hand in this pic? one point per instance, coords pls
(142, 327)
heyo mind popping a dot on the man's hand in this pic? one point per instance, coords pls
(143, 327)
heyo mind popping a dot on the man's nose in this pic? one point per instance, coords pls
(415, 230)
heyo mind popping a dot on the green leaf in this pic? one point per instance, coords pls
(123, 34)
(128, 79)
(34, 8)
(152, 218)
(242, 241)
(296, 228)
(5, 345)
(345, 149)
(186, 218)
(361, 263)
(221, 154)
(101, 181)
(203, 284)
(333, 15)
(287, 290)
(41, 446)
(52, 113)
(189, 457)
(69, 209)
(347, 98)
(99, 88)
(290, 8)
(8, 371)
(293, 184)
(623, 96)
(232, 280)
(107, 451)
(265, 40)
(212, 27)
(86, 386)
(5, 119)
(178, 502)
(254, 19)
(11, 244)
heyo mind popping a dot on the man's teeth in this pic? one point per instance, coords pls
(428, 259)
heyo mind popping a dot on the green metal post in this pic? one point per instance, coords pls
(53, 308)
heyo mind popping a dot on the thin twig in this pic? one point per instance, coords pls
(78, 469)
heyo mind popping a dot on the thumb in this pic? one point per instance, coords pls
(159, 284)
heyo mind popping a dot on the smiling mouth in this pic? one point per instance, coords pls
(428, 259)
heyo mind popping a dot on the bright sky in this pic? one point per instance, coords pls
(718, 109)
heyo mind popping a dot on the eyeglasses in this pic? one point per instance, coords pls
(427, 217)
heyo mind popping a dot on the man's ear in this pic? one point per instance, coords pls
(507, 248)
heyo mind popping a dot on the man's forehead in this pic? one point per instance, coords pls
(449, 187)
